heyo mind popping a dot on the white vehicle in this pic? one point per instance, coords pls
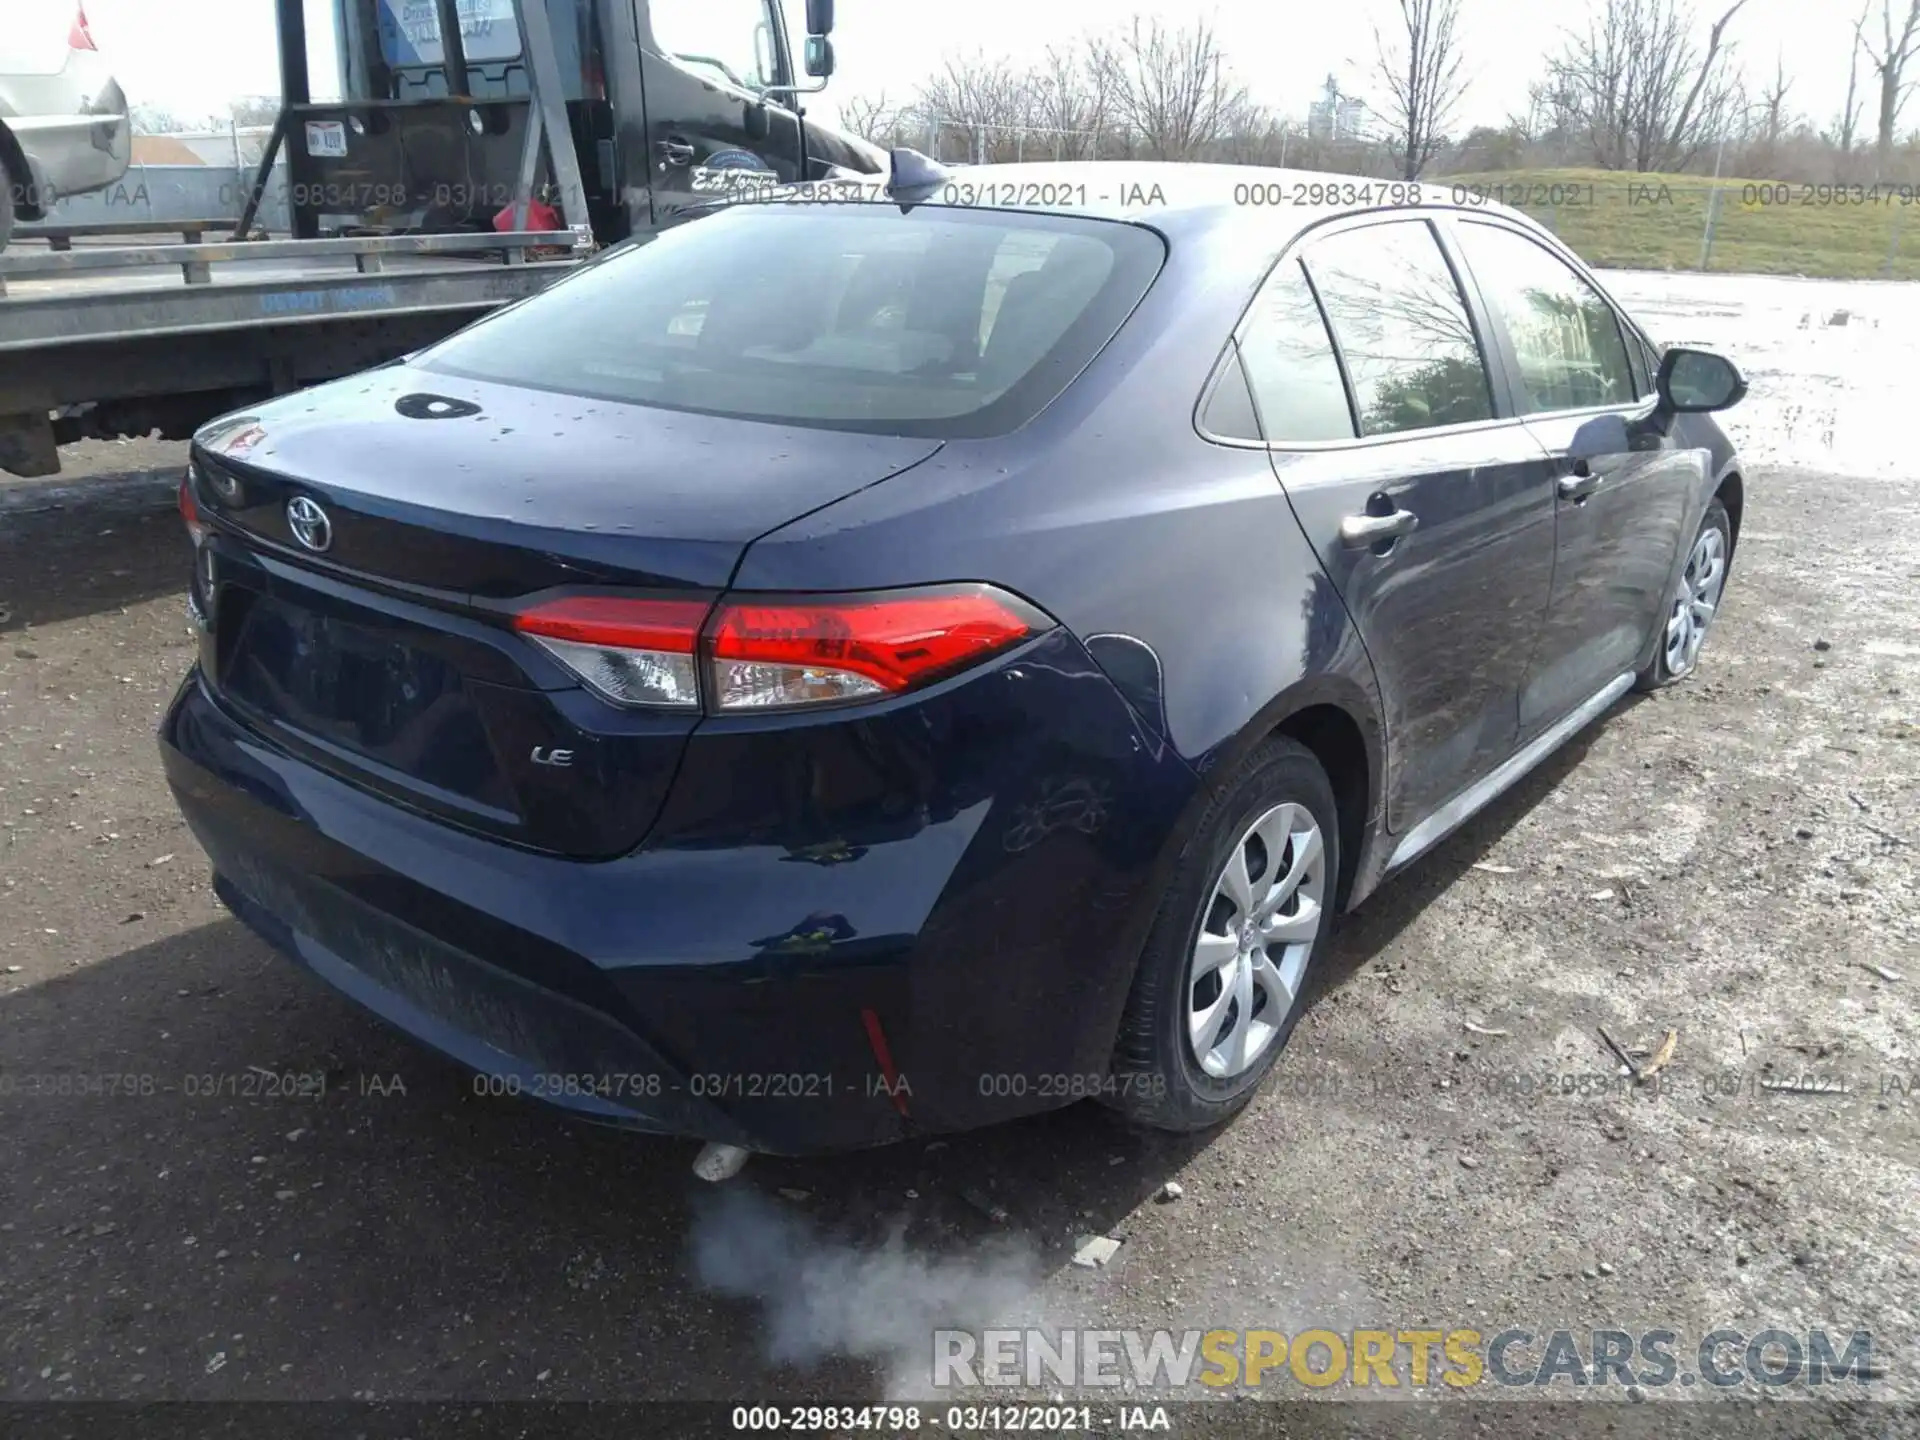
(63, 118)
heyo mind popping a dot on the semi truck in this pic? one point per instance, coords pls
(480, 150)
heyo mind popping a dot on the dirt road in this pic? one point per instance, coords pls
(1733, 860)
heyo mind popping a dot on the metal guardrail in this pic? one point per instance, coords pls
(33, 327)
(196, 261)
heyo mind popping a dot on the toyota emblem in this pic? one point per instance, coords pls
(310, 524)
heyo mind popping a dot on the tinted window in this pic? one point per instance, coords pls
(939, 322)
(1565, 337)
(1403, 328)
(1290, 363)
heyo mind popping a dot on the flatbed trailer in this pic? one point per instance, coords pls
(394, 192)
(128, 339)
(60, 235)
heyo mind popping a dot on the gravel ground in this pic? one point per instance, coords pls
(1732, 860)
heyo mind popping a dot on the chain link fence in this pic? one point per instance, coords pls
(1611, 218)
(1846, 232)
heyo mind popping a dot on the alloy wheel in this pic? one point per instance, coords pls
(1255, 939)
(1695, 600)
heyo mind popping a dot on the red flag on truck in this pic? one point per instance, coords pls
(540, 216)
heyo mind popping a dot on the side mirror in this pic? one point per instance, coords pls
(1602, 435)
(1695, 381)
(819, 56)
(819, 17)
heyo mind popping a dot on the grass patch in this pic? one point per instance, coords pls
(1655, 222)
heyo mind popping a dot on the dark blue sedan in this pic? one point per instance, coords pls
(871, 662)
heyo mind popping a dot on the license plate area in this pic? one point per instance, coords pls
(358, 692)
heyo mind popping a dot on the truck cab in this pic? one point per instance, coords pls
(667, 102)
(479, 149)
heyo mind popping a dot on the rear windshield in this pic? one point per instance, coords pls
(938, 322)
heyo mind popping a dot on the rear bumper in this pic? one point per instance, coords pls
(729, 980)
(75, 155)
(84, 141)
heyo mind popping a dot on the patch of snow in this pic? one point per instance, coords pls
(1828, 362)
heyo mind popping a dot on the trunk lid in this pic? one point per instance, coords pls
(371, 537)
(494, 491)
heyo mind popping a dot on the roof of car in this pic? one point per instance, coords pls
(1154, 189)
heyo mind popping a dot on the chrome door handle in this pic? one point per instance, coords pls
(1357, 532)
(1580, 484)
(675, 152)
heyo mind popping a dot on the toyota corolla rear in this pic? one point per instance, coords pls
(481, 734)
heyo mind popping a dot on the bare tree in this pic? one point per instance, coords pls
(1773, 106)
(1253, 135)
(254, 110)
(1645, 94)
(151, 119)
(988, 100)
(1889, 61)
(871, 118)
(1171, 89)
(1421, 68)
(1067, 107)
(1850, 116)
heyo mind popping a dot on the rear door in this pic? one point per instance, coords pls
(705, 64)
(1621, 493)
(1431, 512)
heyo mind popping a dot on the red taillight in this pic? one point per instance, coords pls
(190, 511)
(670, 625)
(778, 652)
(79, 36)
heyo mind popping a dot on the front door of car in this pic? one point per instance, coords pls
(1433, 517)
(1621, 492)
(709, 130)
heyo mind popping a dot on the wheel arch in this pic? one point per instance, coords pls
(13, 161)
(1339, 744)
(1338, 722)
(1332, 716)
(1732, 493)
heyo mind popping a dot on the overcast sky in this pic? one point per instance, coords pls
(192, 55)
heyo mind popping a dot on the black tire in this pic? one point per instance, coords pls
(1158, 1079)
(1661, 671)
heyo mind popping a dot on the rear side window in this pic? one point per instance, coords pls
(1229, 414)
(1403, 328)
(1565, 336)
(939, 322)
(1291, 365)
